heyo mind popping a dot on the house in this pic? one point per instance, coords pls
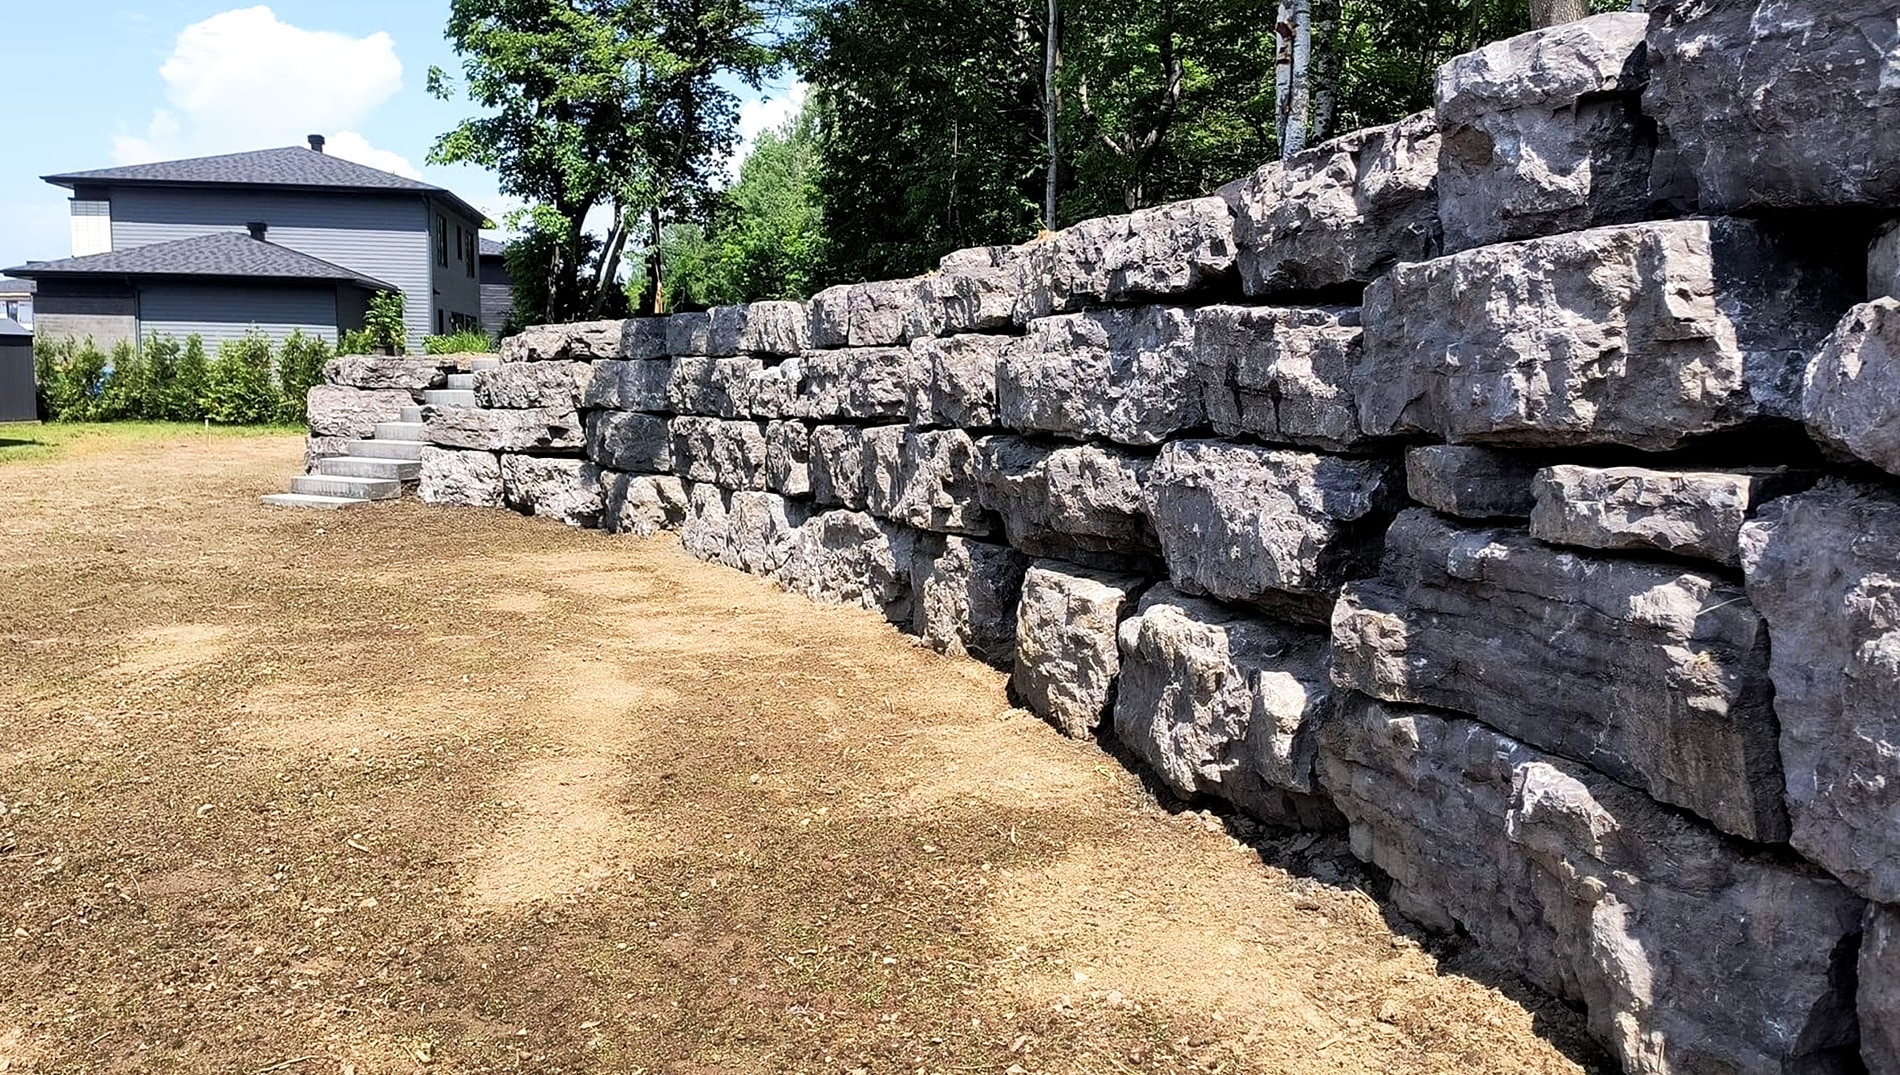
(280, 239)
(16, 301)
(19, 399)
(498, 290)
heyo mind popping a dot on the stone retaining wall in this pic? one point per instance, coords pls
(1514, 486)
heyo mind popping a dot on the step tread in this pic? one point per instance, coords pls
(311, 500)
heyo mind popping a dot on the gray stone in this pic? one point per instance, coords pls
(641, 504)
(560, 385)
(966, 598)
(317, 449)
(1824, 568)
(830, 322)
(858, 384)
(628, 384)
(1120, 375)
(1688, 952)
(580, 341)
(712, 387)
(1156, 253)
(1342, 212)
(1223, 704)
(836, 463)
(971, 291)
(728, 330)
(1782, 104)
(788, 458)
(1640, 334)
(762, 528)
(951, 381)
(1655, 676)
(336, 411)
(553, 488)
(775, 327)
(470, 479)
(1883, 262)
(1282, 375)
(411, 373)
(642, 338)
(728, 454)
(689, 334)
(1272, 527)
(1080, 503)
(495, 430)
(1471, 482)
(1544, 133)
(1067, 657)
(1688, 513)
(877, 312)
(706, 531)
(1850, 396)
(625, 440)
(850, 558)
(923, 479)
(1880, 990)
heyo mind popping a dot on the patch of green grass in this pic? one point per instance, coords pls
(40, 441)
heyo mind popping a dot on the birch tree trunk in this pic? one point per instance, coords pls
(1299, 95)
(1282, 72)
(1555, 12)
(1325, 67)
(1051, 58)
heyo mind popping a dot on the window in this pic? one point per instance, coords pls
(438, 321)
(473, 253)
(441, 240)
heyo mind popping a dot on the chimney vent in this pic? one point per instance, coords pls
(258, 228)
(316, 142)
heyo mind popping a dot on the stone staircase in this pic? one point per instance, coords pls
(383, 466)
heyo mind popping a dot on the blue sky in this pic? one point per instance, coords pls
(162, 79)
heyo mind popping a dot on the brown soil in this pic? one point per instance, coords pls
(411, 788)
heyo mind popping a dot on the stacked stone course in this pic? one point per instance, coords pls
(1472, 483)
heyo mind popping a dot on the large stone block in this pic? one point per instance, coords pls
(1782, 104)
(788, 458)
(470, 479)
(1654, 675)
(628, 384)
(848, 557)
(560, 385)
(689, 334)
(966, 598)
(1688, 952)
(554, 488)
(411, 373)
(775, 327)
(923, 479)
(1470, 481)
(1824, 567)
(337, 411)
(1342, 212)
(830, 317)
(1157, 253)
(712, 387)
(727, 454)
(495, 430)
(586, 340)
(858, 384)
(1120, 375)
(1850, 396)
(1266, 526)
(706, 530)
(626, 440)
(971, 291)
(641, 504)
(316, 449)
(761, 529)
(1224, 704)
(1544, 133)
(836, 465)
(951, 380)
(1641, 334)
(1067, 656)
(1282, 375)
(1688, 513)
(1080, 503)
(1880, 990)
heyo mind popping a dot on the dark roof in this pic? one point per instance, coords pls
(293, 167)
(220, 254)
(493, 249)
(16, 287)
(10, 327)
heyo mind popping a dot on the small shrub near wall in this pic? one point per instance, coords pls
(456, 343)
(249, 381)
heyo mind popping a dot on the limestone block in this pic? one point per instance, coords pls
(775, 327)
(1850, 395)
(628, 384)
(317, 449)
(1120, 375)
(1162, 252)
(1641, 334)
(1688, 952)
(560, 385)
(713, 387)
(788, 458)
(971, 291)
(1544, 133)
(727, 330)
(923, 479)
(689, 334)
(411, 373)
(581, 341)
(850, 558)
(1080, 503)
(496, 430)
(859, 384)
(761, 529)
(554, 488)
(1470, 481)
(1281, 375)
(966, 598)
(727, 454)
(1688, 513)
(830, 324)
(1067, 656)
(836, 463)
(1341, 212)
(641, 504)
(642, 338)
(1880, 990)
(471, 479)
(951, 380)
(1824, 567)
(337, 411)
(706, 531)
(1654, 675)
(626, 440)
(1269, 526)
(1883, 262)
(877, 312)
(1783, 104)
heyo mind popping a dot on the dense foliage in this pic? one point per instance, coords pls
(248, 381)
(455, 343)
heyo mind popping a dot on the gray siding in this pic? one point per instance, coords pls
(498, 301)
(383, 237)
(19, 401)
(80, 308)
(227, 311)
(455, 291)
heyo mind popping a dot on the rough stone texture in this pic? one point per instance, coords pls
(1544, 133)
(966, 598)
(561, 385)
(1782, 104)
(564, 489)
(641, 504)
(1880, 990)
(689, 334)
(1079, 503)
(728, 325)
(830, 321)
(1120, 375)
(1689, 953)
(628, 384)
(1279, 374)
(1688, 513)
(951, 381)
(586, 340)
(1883, 262)
(706, 530)
(761, 529)
(847, 557)
(1266, 525)
(788, 458)
(923, 479)
(1341, 212)
(1472, 482)
(716, 387)
(1222, 704)
(470, 479)
(488, 429)
(411, 373)
(836, 464)
(859, 384)
(728, 454)
(1067, 657)
(876, 313)
(775, 327)
(336, 411)
(623, 440)
(1654, 676)
(316, 449)
(1824, 568)
(1850, 396)
(1639, 334)
(972, 291)
(1151, 253)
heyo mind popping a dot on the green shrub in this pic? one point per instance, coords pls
(239, 388)
(71, 375)
(383, 322)
(356, 341)
(299, 365)
(125, 392)
(456, 343)
(184, 397)
(161, 370)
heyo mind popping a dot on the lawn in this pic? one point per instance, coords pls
(22, 441)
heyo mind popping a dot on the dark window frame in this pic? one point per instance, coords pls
(441, 241)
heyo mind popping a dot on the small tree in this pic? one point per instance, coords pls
(126, 390)
(239, 389)
(184, 401)
(383, 321)
(299, 366)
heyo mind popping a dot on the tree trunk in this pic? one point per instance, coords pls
(1051, 58)
(1282, 72)
(1299, 95)
(1325, 67)
(1556, 12)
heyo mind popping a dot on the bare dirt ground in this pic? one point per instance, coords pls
(419, 789)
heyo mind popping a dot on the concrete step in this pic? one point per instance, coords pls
(461, 382)
(399, 431)
(361, 488)
(412, 414)
(385, 449)
(308, 500)
(480, 364)
(449, 397)
(358, 466)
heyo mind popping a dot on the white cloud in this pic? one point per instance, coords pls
(761, 114)
(243, 79)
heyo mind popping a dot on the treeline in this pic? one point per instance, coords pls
(248, 381)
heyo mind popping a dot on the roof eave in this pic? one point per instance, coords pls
(71, 181)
